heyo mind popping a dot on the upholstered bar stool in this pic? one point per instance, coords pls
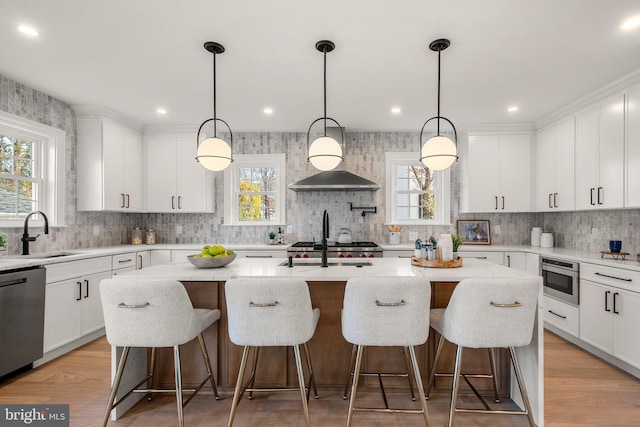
(267, 313)
(386, 312)
(154, 313)
(487, 313)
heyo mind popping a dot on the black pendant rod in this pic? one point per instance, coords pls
(325, 91)
(439, 50)
(215, 126)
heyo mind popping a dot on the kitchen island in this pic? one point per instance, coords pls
(330, 352)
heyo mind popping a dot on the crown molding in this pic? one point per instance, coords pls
(498, 128)
(98, 111)
(616, 87)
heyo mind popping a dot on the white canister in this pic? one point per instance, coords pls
(446, 247)
(394, 238)
(536, 232)
(546, 240)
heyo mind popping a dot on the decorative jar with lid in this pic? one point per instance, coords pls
(136, 236)
(150, 237)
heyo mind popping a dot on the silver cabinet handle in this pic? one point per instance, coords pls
(173, 202)
(514, 304)
(128, 204)
(502, 202)
(123, 204)
(179, 202)
(140, 259)
(258, 256)
(266, 304)
(123, 305)
(390, 304)
(555, 201)
(550, 207)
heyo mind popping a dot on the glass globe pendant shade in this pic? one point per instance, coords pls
(438, 153)
(325, 153)
(214, 154)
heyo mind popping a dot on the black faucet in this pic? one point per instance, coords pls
(325, 236)
(25, 236)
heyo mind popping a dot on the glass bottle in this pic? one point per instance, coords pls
(136, 236)
(150, 237)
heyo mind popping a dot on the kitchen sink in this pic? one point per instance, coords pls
(43, 255)
(317, 263)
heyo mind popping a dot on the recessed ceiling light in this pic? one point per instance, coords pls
(30, 31)
(513, 109)
(631, 23)
(396, 110)
(161, 111)
(268, 110)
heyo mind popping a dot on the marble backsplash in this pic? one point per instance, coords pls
(364, 153)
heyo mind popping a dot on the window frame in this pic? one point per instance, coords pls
(442, 191)
(52, 145)
(232, 179)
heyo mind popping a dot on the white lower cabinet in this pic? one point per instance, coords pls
(495, 257)
(562, 315)
(610, 315)
(517, 260)
(73, 307)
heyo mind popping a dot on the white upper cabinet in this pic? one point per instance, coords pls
(632, 169)
(498, 174)
(109, 166)
(175, 182)
(555, 170)
(600, 156)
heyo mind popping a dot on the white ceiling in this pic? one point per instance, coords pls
(136, 55)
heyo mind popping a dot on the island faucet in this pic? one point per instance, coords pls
(325, 236)
(25, 236)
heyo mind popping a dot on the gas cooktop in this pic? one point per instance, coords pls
(336, 245)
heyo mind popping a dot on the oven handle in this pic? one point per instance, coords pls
(560, 270)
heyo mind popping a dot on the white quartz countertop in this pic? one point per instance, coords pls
(270, 267)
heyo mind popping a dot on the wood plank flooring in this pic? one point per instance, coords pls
(580, 390)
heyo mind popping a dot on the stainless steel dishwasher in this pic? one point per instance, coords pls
(21, 317)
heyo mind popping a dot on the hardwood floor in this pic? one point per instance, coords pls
(580, 390)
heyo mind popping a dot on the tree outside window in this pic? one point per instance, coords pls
(18, 177)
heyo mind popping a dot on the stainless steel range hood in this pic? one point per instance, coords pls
(337, 179)
(334, 181)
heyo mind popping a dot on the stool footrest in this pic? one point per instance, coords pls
(389, 410)
(491, 411)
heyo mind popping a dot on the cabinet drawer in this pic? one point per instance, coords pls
(68, 270)
(261, 254)
(124, 261)
(561, 315)
(618, 277)
(495, 257)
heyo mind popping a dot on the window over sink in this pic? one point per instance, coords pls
(415, 194)
(254, 190)
(32, 170)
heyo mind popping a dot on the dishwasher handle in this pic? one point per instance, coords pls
(13, 282)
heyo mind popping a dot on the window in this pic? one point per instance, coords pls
(415, 194)
(32, 171)
(255, 190)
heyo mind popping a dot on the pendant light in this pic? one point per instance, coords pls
(214, 153)
(325, 153)
(439, 152)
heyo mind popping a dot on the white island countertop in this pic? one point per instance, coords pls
(271, 267)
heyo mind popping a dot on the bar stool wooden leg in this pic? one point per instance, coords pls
(207, 363)
(178, 375)
(237, 394)
(252, 378)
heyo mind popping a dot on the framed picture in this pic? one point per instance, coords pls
(474, 232)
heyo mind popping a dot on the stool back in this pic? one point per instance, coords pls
(269, 312)
(487, 313)
(386, 311)
(147, 313)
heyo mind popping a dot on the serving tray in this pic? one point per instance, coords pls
(437, 263)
